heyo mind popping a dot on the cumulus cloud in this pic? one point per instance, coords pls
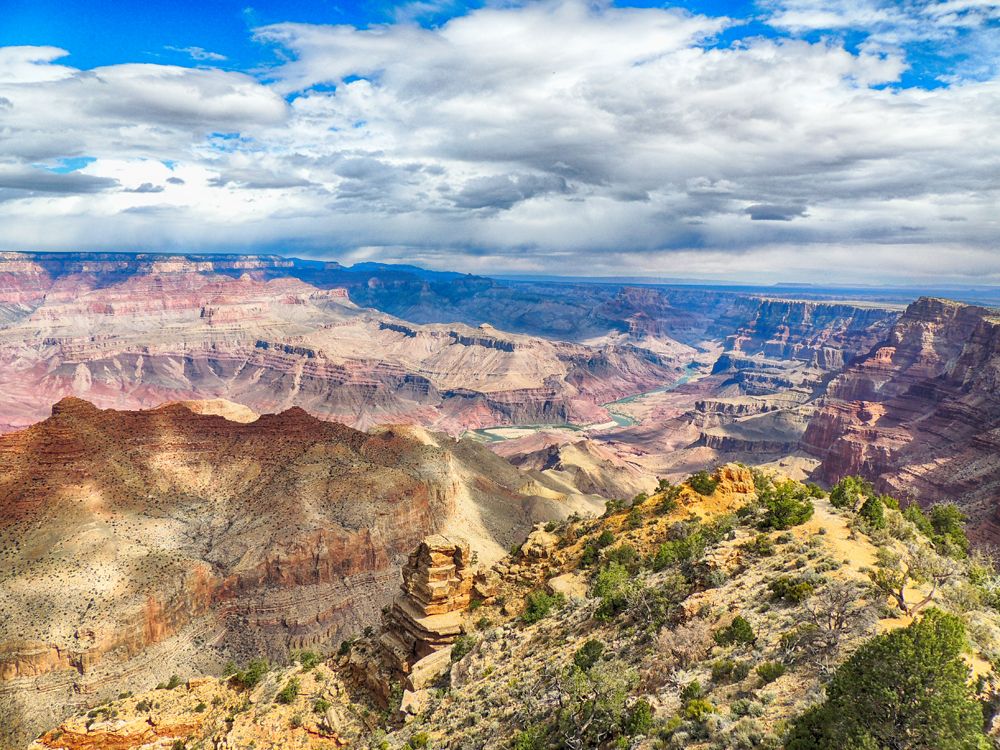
(765, 212)
(628, 139)
(504, 191)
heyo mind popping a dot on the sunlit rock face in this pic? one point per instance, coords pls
(136, 331)
(136, 544)
(921, 413)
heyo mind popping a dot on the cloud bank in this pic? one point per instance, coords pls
(560, 137)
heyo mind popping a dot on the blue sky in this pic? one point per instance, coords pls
(106, 32)
(766, 140)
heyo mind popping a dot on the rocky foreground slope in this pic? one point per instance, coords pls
(136, 544)
(920, 415)
(695, 618)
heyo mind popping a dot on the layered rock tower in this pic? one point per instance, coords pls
(425, 621)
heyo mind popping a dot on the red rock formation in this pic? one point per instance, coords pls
(124, 534)
(136, 331)
(920, 415)
(437, 587)
(827, 335)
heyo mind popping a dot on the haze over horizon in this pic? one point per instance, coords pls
(852, 142)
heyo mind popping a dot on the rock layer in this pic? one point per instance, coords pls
(137, 544)
(920, 415)
(136, 331)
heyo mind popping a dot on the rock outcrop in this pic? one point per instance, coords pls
(413, 647)
(437, 587)
(138, 544)
(920, 415)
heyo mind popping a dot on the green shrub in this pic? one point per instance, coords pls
(532, 738)
(623, 554)
(321, 705)
(889, 502)
(669, 498)
(463, 645)
(606, 538)
(915, 514)
(814, 490)
(850, 492)
(738, 631)
(702, 482)
(785, 504)
(289, 692)
(634, 519)
(611, 507)
(419, 740)
(907, 690)
(200, 708)
(943, 525)
(873, 513)
(253, 674)
(728, 670)
(308, 659)
(612, 586)
(746, 707)
(687, 544)
(769, 671)
(721, 669)
(698, 709)
(539, 604)
(640, 718)
(691, 691)
(588, 654)
(760, 546)
(789, 589)
(949, 526)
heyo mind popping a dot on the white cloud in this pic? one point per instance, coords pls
(198, 53)
(521, 137)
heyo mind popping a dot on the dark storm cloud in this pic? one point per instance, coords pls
(146, 187)
(43, 181)
(766, 212)
(504, 191)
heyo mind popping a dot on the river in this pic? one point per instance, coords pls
(619, 419)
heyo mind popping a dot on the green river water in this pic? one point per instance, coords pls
(507, 432)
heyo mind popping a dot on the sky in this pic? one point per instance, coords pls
(824, 141)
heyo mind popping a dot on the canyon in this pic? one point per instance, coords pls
(207, 458)
(920, 415)
(137, 544)
(138, 331)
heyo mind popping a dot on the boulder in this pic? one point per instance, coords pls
(570, 585)
(540, 544)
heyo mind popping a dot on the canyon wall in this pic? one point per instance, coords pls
(135, 331)
(138, 544)
(920, 415)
